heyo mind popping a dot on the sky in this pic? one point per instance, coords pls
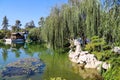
(26, 10)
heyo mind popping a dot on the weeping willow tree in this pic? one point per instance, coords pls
(111, 24)
(82, 18)
(56, 27)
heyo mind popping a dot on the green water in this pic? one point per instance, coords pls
(57, 64)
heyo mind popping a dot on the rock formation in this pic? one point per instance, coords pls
(27, 66)
(84, 57)
(116, 50)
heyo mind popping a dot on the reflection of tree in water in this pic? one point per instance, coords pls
(16, 49)
(34, 48)
(4, 50)
(19, 49)
(2, 45)
(17, 46)
(17, 53)
(5, 54)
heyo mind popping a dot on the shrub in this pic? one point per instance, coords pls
(2, 34)
(114, 72)
(107, 47)
(96, 44)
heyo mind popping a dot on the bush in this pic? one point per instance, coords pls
(2, 34)
(114, 72)
(8, 34)
(107, 47)
(96, 44)
(103, 52)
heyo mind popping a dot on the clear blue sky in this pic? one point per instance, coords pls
(26, 10)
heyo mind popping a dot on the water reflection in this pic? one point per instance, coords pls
(13, 52)
(10, 53)
(86, 74)
(13, 48)
(4, 54)
(17, 46)
(57, 65)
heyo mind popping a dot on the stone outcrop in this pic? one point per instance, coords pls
(84, 57)
(27, 66)
(116, 50)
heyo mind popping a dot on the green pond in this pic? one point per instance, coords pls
(57, 65)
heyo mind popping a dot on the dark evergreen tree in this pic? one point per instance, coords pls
(5, 23)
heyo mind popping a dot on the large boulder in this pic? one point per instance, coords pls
(27, 66)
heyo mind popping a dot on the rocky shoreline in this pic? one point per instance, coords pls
(84, 57)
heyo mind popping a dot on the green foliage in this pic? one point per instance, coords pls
(96, 44)
(5, 23)
(5, 34)
(2, 34)
(34, 34)
(106, 55)
(16, 27)
(114, 72)
(41, 22)
(107, 47)
(29, 25)
(82, 19)
(98, 54)
(85, 19)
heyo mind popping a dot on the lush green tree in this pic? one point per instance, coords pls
(14, 28)
(93, 19)
(41, 22)
(83, 18)
(17, 25)
(30, 25)
(34, 34)
(110, 21)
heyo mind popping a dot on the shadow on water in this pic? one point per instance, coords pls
(57, 65)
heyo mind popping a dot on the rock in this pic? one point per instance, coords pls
(83, 52)
(78, 47)
(76, 42)
(74, 55)
(71, 54)
(27, 66)
(89, 60)
(82, 59)
(116, 50)
(93, 64)
(105, 65)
